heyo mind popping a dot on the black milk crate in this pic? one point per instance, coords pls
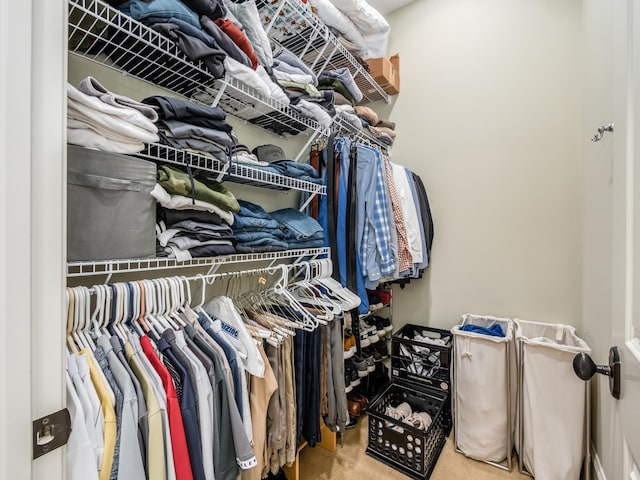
(421, 362)
(404, 447)
(424, 364)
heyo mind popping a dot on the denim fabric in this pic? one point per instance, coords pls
(343, 145)
(253, 216)
(267, 248)
(300, 171)
(309, 243)
(297, 225)
(160, 9)
(248, 236)
(267, 241)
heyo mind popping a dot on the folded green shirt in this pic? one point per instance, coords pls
(178, 182)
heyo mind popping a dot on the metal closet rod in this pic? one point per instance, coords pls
(212, 277)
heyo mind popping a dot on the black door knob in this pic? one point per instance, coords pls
(585, 368)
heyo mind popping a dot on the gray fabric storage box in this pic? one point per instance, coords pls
(110, 211)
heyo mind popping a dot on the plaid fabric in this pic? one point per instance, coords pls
(380, 228)
(405, 260)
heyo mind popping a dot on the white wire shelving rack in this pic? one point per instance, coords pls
(102, 34)
(342, 127)
(232, 172)
(312, 41)
(124, 266)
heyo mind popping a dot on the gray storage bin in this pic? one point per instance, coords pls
(110, 211)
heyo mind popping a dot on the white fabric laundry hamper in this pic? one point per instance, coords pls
(484, 402)
(551, 400)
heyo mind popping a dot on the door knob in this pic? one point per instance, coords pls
(586, 368)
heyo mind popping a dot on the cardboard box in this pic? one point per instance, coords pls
(386, 73)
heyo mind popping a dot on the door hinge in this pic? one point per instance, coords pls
(50, 432)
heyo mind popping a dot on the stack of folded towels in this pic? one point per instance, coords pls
(187, 125)
(196, 217)
(100, 119)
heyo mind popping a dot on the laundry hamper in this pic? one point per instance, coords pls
(551, 401)
(484, 401)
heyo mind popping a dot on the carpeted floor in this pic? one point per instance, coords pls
(350, 462)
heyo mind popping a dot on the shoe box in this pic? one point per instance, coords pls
(421, 356)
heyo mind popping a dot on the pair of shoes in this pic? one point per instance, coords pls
(358, 398)
(354, 407)
(368, 334)
(351, 423)
(400, 412)
(421, 420)
(383, 325)
(365, 362)
(379, 351)
(358, 366)
(349, 345)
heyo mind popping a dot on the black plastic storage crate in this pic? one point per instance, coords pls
(404, 447)
(424, 364)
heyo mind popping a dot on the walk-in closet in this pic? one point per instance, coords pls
(319, 239)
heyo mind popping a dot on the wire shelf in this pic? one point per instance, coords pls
(310, 39)
(343, 127)
(113, 267)
(236, 172)
(102, 34)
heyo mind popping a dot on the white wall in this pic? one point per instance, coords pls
(488, 116)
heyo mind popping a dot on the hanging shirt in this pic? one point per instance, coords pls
(79, 452)
(110, 422)
(205, 404)
(180, 451)
(143, 424)
(94, 419)
(130, 465)
(156, 467)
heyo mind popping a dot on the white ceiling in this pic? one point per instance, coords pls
(387, 6)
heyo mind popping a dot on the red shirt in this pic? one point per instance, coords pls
(176, 428)
(239, 38)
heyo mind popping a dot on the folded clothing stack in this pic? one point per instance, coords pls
(300, 230)
(260, 231)
(342, 82)
(187, 125)
(256, 230)
(364, 118)
(186, 234)
(227, 37)
(196, 218)
(273, 160)
(102, 120)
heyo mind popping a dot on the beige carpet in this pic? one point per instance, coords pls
(350, 462)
